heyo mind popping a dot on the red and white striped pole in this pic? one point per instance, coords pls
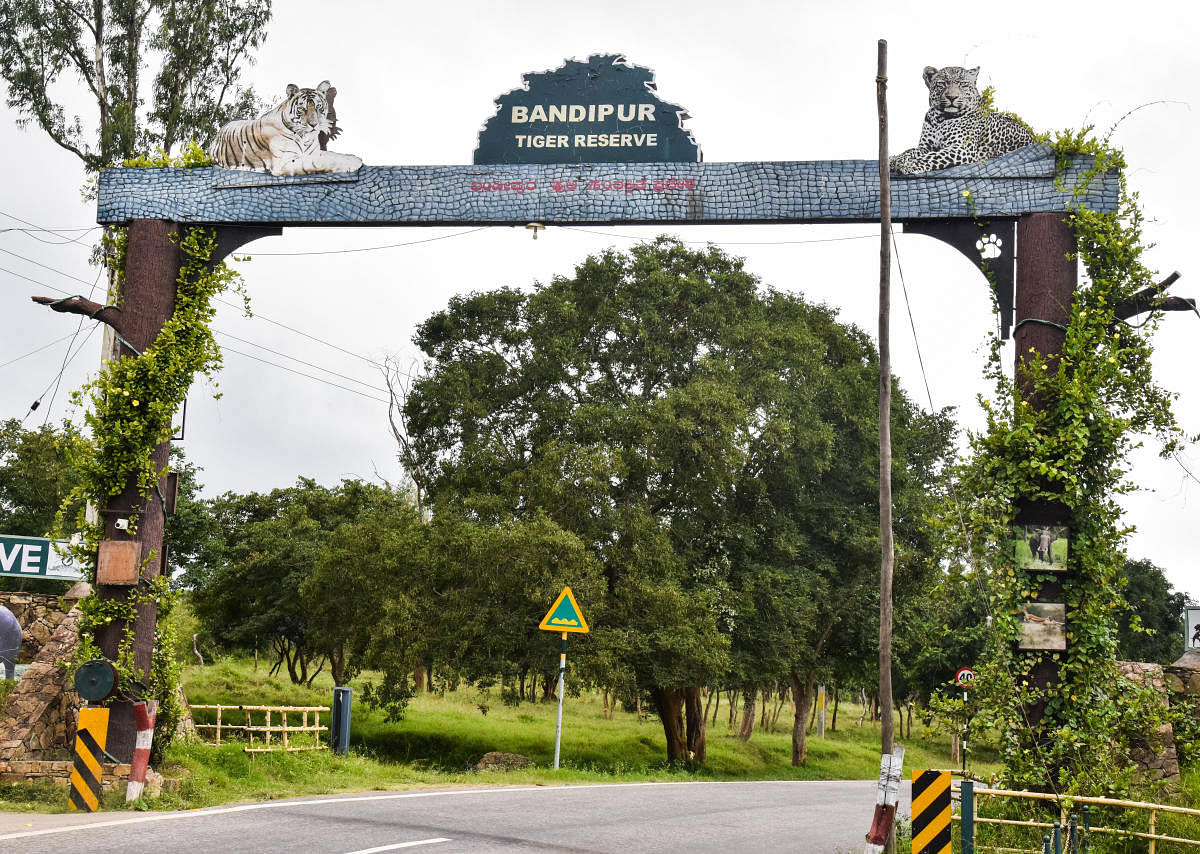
(144, 713)
(887, 798)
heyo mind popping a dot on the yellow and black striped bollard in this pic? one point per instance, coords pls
(931, 812)
(90, 737)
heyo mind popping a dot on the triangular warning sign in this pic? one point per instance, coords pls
(564, 615)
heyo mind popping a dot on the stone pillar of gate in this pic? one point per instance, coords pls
(1045, 287)
(147, 301)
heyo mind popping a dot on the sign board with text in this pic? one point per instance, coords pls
(36, 557)
(599, 110)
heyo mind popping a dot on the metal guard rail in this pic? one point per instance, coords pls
(1152, 836)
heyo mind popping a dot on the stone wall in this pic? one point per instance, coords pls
(58, 772)
(1183, 677)
(39, 615)
(1158, 760)
(38, 721)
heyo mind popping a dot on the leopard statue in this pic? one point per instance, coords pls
(288, 140)
(956, 130)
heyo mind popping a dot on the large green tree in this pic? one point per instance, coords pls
(198, 48)
(35, 476)
(1152, 628)
(247, 577)
(667, 410)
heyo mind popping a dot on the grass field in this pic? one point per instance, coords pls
(442, 737)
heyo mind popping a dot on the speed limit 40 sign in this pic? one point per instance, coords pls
(964, 677)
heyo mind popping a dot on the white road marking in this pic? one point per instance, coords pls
(400, 845)
(201, 813)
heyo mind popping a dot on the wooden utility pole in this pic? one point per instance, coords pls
(887, 547)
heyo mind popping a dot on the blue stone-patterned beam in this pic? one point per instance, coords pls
(603, 193)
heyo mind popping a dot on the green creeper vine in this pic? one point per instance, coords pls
(128, 407)
(1096, 398)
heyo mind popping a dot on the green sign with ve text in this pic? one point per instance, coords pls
(564, 615)
(36, 557)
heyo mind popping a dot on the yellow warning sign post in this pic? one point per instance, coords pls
(931, 812)
(564, 616)
(90, 737)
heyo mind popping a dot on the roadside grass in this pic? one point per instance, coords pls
(443, 736)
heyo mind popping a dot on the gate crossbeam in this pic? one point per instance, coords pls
(823, 191)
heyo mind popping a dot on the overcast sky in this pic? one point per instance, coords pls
(763, 81)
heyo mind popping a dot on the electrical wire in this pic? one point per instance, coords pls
(724, 242)
(371, 248)
(35, 227)
(962, 524)
(35, 281)
(302, 374)
(292, 329)
(66, 363)
(300, 361)
(377, 364)
(38, 350)
(912, 323)
(78, 329)
(45, 266)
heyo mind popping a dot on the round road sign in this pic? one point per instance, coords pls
(96, 680)
(964, 677)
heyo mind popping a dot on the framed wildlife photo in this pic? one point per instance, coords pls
(1041, 548)
(1192, 627)
(1043, 626)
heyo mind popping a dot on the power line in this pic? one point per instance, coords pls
(292, 329)
(272, 321)
(373, 248)
(35, 281)
(78, 329)
(912, 323)
(35, 227)
(304, 334)
(45, 266)
(298, 360)
(38, 350)
(302, 374)
(726, 242)
(66, 363)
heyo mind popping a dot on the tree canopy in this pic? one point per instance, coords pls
(199, 49)
(709, 440)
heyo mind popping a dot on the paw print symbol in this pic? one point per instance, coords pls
(989, 246)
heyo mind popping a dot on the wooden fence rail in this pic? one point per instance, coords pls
(266, 730)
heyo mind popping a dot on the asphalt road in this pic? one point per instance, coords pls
(818, 817)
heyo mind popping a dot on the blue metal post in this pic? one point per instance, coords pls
(1087, 827)
(339, 725)
(968, 816)
(1073, 836)
(1057, 838)
(1046, 844)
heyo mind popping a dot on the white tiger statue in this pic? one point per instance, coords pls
(288, 140)
(956, 130)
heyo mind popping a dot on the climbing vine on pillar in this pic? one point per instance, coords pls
(128, 406)
(1094, 401)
